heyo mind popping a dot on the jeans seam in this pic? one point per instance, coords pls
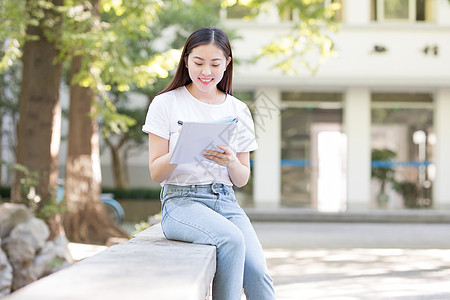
(192, 226)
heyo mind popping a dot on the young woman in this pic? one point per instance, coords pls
(198, 201)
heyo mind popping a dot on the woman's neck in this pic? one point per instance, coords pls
(214, 97)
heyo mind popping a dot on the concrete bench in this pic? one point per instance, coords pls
(146, 267)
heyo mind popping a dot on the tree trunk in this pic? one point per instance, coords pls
(1, 144)
(39, 128)
(120, 181)
(125, 169)
(86, 220)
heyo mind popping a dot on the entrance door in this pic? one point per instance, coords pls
(328, 158)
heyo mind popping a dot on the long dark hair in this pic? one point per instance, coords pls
(204, 36)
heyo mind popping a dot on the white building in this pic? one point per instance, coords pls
(390, 82)
(388, 88)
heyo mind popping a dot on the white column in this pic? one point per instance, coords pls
(357, 121)
(442, 11)
(441, 195)
(356, 12)
(266, 177)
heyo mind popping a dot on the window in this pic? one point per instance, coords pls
(401, 10)
(312, 172)
(237, 11)
(292, 13)
(402, 140)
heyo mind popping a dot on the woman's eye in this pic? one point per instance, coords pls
(216, 65)
(198, 64)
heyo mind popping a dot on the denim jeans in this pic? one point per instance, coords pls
(210, 214)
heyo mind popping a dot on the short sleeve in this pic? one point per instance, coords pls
(157, 120)
(246, 131)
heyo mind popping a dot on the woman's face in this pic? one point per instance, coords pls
(206, 65)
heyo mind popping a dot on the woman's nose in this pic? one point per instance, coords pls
(206, 70)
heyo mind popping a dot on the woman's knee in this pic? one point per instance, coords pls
(255, 266)
(233, 241)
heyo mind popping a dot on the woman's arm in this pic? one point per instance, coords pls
(238, 165)
(239, 171)
(158, 158)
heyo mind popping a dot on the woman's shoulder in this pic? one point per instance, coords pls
(167, 98)
(170, 95)
(237, 102)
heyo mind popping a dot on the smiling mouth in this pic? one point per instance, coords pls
(206, 80)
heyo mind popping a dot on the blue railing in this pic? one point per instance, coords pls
(374, 163)
(112, 206)
(295, 163)
(402, 164)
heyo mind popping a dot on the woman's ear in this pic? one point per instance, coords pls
(228, 60)
(186, 61)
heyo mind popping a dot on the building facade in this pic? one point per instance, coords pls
(387, 91)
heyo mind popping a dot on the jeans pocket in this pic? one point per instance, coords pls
(169, 194)
(174, 204)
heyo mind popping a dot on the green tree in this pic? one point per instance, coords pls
(308, 42)
(14, 21)
(93, 37)
(121, 146)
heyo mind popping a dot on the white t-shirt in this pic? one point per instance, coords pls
(162, 120)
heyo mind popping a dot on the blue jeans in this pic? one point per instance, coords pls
(210, 214)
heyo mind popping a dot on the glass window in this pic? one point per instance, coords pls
(401, 10)
(296, 158)
(396, 9)
(312, 171)
(402, 150)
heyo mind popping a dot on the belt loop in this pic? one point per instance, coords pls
(226, 190)
(161, 193)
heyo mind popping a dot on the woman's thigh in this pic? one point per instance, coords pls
(188, 220)
(236, 215)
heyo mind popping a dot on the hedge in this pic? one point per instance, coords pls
(133, 193)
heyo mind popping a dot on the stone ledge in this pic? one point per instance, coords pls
(146, 267)
(372, 216)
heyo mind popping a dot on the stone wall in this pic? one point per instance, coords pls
(26, 254)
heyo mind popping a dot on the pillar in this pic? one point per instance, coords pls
(267, 158)
(357, 121)
(441, 195)
(356, 12)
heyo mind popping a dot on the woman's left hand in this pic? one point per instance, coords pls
(225, 158)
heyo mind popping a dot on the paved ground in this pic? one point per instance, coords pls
(357, 260)
(352, 260)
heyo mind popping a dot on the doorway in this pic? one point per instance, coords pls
(328, 149)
